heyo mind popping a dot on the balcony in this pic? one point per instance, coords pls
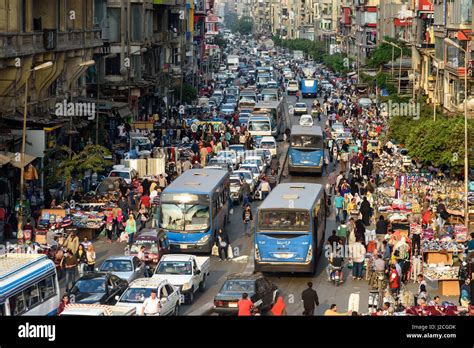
(13, 45)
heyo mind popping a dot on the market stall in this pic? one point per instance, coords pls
(446, 277)
(89, 220)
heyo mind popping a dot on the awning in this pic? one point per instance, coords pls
(462, 36)
(351, 74)
(15, 159)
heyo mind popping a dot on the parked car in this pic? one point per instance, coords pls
(140, 289)
(125, 267)
(186, 272)
(262, 292)
(97, 287)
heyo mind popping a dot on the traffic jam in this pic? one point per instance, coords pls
(245, 215)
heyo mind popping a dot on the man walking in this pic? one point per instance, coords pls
(70, 265)
(310, 300)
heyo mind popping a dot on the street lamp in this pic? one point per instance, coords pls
(400, 69)
(466, 167)
(23, 140)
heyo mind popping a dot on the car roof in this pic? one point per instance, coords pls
(267, 138)
(177, 257)
(147, 283)
(306, 130)
(94, 275)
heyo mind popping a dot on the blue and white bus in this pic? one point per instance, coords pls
(306, 151)
(28, 285)
(289, 233)
(194, 207)
(309, 88)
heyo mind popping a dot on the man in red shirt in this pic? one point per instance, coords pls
(394, 280)
(245, 305)
(145, 200)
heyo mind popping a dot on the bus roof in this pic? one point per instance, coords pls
(306, 130)
(18, 271)
(197, 181)
(302, 196)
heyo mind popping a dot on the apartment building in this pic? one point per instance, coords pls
(453, 20)
(36, 31)
(326, 20)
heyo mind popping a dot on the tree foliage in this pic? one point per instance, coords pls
(383, 53)
(315, 49)
(336, 62)
(243, 25)
(189, 93)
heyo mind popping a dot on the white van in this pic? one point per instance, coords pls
(120, 171)
(270, 144)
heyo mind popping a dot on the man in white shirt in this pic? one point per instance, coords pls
(152, 305)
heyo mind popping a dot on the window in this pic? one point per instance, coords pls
(114, 24)
(136, 34)
(32, 296)
(169, 289)
(17, 304)
(47, 288)
(112, 65)
(283, 220)
(163, 292)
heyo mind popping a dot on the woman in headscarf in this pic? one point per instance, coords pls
(351, 226)
(366, 211)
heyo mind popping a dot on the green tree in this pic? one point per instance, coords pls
(189, 93)
(382, 54)
(244, 25)
(230, 20)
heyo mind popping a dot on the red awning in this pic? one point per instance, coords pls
(462, 36)
(425, 6)
(402, 22)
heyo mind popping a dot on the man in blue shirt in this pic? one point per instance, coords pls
(338, 204)
(470, 244)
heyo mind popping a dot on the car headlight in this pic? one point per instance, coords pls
(257, 253)
(310, 254)
(186, 286)
(204, 239)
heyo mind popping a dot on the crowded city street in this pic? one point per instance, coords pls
(278, 188)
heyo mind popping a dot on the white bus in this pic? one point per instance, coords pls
(28, 285)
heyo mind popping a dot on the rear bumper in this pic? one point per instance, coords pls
(283, 267)
(305, 169)
(226, 310)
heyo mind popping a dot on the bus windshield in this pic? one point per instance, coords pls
(283, 220)
(307, 141)
(270, 97)
(185, 217)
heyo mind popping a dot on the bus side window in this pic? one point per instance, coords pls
(17, 304)
(32, 296)
(47, 288)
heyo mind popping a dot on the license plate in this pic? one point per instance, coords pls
(183, 246)
(232, 305)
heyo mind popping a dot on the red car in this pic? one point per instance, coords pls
(156, 245)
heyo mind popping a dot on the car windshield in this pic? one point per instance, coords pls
(283, 220)
(239, 286)
(150, 247)
(251, 168)
(116, 266)
(185, 217)
(259, 126)
(90, 286)
(270, 97)
(136, 295)
(267, 145)
(300, 105)
(307, 141)
(174, 267)
(123, 175)
(245, 176)
(306, 121)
